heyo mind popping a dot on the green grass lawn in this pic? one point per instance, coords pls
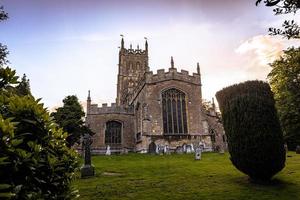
(141, 176)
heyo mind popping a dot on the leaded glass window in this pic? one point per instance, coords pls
(174, 112)
(113, 132)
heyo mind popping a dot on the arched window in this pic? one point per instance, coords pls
(174, 112)
(113, 132)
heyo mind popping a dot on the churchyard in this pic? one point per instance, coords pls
(145, 176)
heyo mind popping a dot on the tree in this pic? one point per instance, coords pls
(290, 28)
(255, 140)
(70, 118)
(24, 87)
(35, 162)
(285, 83)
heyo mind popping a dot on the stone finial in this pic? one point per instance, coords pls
(122, 41)
(213, 104)
(138, 47)
(146, 44)
(172, 62)
(198, 68)
(130, 46)
(89, 96)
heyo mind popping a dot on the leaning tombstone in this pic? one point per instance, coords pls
(198, 152)
(108, 152)
(87, 169)
(298, 149)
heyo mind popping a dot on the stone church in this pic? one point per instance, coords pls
(154, 110)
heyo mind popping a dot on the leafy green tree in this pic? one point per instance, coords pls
(285, 83)
(255, 140)
(35, 162)
(24, 87)
(70, 118)
(290, 29)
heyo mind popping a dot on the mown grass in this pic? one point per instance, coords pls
(142, 176)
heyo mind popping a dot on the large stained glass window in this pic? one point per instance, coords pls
(174, 112)
(113, 132)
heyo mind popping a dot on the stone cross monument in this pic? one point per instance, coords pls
(87, 169)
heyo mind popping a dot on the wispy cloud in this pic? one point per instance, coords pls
(265, 48)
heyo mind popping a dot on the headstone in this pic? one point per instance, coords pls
(156, 149)
(87, 169)
(124, 151)
(188, 149)
(192, 147)
(201, 145)
(152, 148)
(184, 148)
(179, 150)
(108, 152)
(167, 150)
(198, 153)
(298, 149)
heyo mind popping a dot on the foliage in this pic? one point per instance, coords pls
(255, 140)
(285, 83)
(70, 118)
(176, 177)
(23, 87)
(35, 162)
(290, 28)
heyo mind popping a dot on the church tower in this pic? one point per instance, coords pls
(133, 63)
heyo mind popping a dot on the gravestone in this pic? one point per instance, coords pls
(108, 152)
(124, 151)
(152, 148)
(160, 149)
(179, 150)
(198, 153)
(188, 149)
(192, 147)
(87, 169)
(184, 148)
(167, 150)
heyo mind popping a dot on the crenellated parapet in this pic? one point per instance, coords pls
(173, 74)
(133, 52)
(112, 109)
(162, 75)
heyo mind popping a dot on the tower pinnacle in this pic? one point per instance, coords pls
(198, 68)
(89, 96)
(146, 44)
(122, 41)
(172, 62)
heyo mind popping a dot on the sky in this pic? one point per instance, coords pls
(67, 47)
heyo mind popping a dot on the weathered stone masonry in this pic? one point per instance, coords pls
(164, 108)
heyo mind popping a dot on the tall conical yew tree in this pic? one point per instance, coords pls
(255, 139)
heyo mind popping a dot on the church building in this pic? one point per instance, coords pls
(154, 110)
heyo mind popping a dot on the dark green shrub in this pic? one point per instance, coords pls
(255, 140)
(35, 162)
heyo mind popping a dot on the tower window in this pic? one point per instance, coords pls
(113, 132)
(174, 112)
